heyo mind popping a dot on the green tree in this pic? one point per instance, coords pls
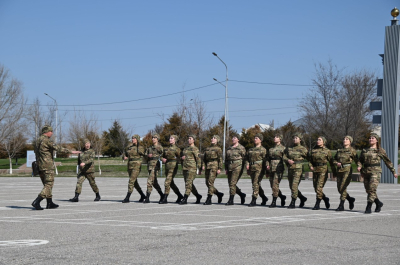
(116, 140)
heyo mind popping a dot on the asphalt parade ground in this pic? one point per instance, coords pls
(111, 232)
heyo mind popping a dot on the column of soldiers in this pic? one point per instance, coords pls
(258, 162)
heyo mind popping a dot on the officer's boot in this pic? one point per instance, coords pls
(253, 202)
(316, 206)
(161, 196)
(184, 200)
(198, 198)
(164, 199)
(180, 197)
(302, 201)
(97, 197)
(264, 200)
(208, 200)
(351, 201)
(230, 201)
(126, 200)
(273, 203)
(142, 196)
(379, 205)
(242, 197)
(368, 209)
(220, 195)
(147, 199)
(36, 203)
(282, 197)
(51, 204)
(326, 201)
(292, 204)
(341, 206)
(75, 199)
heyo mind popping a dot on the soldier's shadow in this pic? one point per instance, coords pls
(20, 207)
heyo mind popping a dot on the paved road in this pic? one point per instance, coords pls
(109, 232)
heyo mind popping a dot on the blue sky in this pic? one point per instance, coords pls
(101, 52)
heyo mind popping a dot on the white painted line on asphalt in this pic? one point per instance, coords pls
(22, 243)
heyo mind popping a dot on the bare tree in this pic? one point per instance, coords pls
(202, 119)
(80, 127)
(15, 141)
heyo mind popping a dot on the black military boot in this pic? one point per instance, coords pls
(142, 196)
(97, 197)
(368, 209)
(180, 197)
(147, 200)
(351, 201)
(316, 206)
(36, 203)
(253, 202)
(220, 195)
(273, 203)
(379, 205)
(51, 204)
(198, 199)
(161, 195)
(302, 201)
(242, 197)
(341, 206)
(184, 200)
(282, 197)
(326, 201)
(230, 201)
(126, 200)
(75, 199)
(264, 200)
(208, 200)
(164, 199)
(292, 204)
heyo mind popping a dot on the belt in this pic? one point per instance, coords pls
(212, 160)
(276, 158)
(171, 160)
(154, 158)
(135, 159)
(256, 162)
(346, 165)
(372, 165)
(233, 161)
(319, 164)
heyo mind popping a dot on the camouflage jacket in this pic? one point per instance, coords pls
(192, 160)
(234, 157)
(297, 153)
(86, 157)
(318, 157)
(157, 151)
(345, 156)
(370, 159)
(172, 153)
(255, 157)
(213, 157)
(135, 156)
(275, 158)
(44, 150)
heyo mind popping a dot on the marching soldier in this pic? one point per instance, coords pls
(154, 153)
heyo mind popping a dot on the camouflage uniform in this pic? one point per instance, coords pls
(297, 153)
(318, 159)
(190, 165)
(172, 154)
(235, 156)
(344, 156)
(213, 163)
(275, 162)
(135, 155)
(154, 167)
(87, 171)
(255, 159)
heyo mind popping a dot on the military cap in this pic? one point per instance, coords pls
(349, 137)
(298, 135)
(233, 135)
(47, 128)
(323, 139)
(86, 140)
(280, 136)
(216, 137)
(156, 135)
(259, 136)
(136, 136)
(193, 136)
(376, 136)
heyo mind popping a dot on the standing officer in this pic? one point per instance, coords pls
(86, 171)
(293, 158)
(343, 159)
(371, 170)
(318, 159)
(154, 154)
(275, 169)
(44, 149)
(170, 158)
(235, 156)
(190, 164)
(213, 166)
(134, 154)
(255, 168)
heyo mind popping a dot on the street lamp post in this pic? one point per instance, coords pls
(55, 102)
(226, 104)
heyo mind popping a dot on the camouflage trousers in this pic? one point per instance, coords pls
(170, 171)
(189, 176)
(233, 178)
(256, 178)
(371, 181)
(47, 178)
(343, 180)
(211, 175)
(133, 183)
(294, 178)
(274, 180)
(81, 179)
(319, 180)
(152, 181)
